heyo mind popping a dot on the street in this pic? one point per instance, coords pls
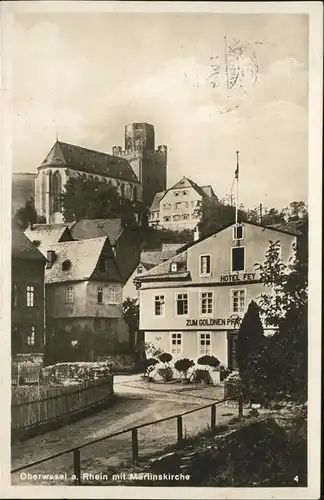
(138, 402)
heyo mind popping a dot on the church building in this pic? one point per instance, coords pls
(66, 160)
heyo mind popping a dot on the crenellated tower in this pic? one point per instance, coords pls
(148, 163)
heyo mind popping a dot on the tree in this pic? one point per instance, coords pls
(26, 214)
(208, 361)
(165, 358)
(85, 198)
(131, 316)
(250, 339)
(284, 361)
(183, 365)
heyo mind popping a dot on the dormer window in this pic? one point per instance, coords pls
(36, 243)
(238, 233)
(174, 267)
(66, 265)
(139, 270)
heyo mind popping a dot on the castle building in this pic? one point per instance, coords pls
(66, 160)
(177, 208)
(193, 303)
(149, 165)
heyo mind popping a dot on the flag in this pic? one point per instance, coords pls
(237, 168)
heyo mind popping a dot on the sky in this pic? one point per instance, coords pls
(84, 76)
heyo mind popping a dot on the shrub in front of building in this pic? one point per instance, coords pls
(165, 358)
(166, 373)
(183, 366)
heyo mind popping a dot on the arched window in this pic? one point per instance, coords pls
(122, 190)
(134, 193)
(43, 193)
(56, 191)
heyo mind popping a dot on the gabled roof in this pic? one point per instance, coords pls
(67, 155)
(47, 235)
(22, 248)
(167, 247)
(232, 224)
(208, 190)
(84, 256)
(185, 182)
(96, 228)
(153, 259)
(156, 201)
(164, 269)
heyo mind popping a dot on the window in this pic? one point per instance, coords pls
(178, 205)
(205, 265)
(176, 217)
(185, 216)
(238, 259)
(204, 343)
(238, 232)
(139, 270)
(69, 295)
(14, 295)
(157, 215)
(30, 296)
(176, 344)
(159, 305)
(167, 206)
(167, 218)
(238, 301)
(112, 296)
(31, 336)
(174, 267)
(184, 192)
(206, 303)
(99, 295)
(182, 304)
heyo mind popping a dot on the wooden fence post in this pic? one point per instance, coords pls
(77, 467)
(135, 446)
(179, 428)
(240, 407)
(213, 416)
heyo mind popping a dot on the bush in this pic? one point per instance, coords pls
(148, 365)
(210, 361)
(165, 357)
(166, 373)
(202, 376)
(183, 365)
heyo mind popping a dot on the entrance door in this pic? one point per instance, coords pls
(231, 342)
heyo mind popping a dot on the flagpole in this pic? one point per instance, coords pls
(237, 191)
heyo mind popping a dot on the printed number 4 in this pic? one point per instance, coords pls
(296, 478)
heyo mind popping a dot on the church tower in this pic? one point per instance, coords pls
(149, 165)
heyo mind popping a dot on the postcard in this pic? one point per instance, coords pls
(161, 249)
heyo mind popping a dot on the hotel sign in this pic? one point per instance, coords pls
(233, 278)
(231, 321)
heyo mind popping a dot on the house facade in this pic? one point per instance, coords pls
(84, 301)
(28, 292)
(177, 208)
(125, 241)
(193, 303)
(67, 160)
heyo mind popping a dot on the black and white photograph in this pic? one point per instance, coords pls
(161, 249)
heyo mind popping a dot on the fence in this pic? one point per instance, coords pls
(133, 431)
(54, 403)
(25, 372)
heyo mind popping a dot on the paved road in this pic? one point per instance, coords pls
(137, 403)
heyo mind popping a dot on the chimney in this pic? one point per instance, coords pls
(50, 258)
(196, 233)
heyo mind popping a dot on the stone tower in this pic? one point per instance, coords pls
(149, 164)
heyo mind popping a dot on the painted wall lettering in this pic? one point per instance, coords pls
(231, 278)
(213, 322)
